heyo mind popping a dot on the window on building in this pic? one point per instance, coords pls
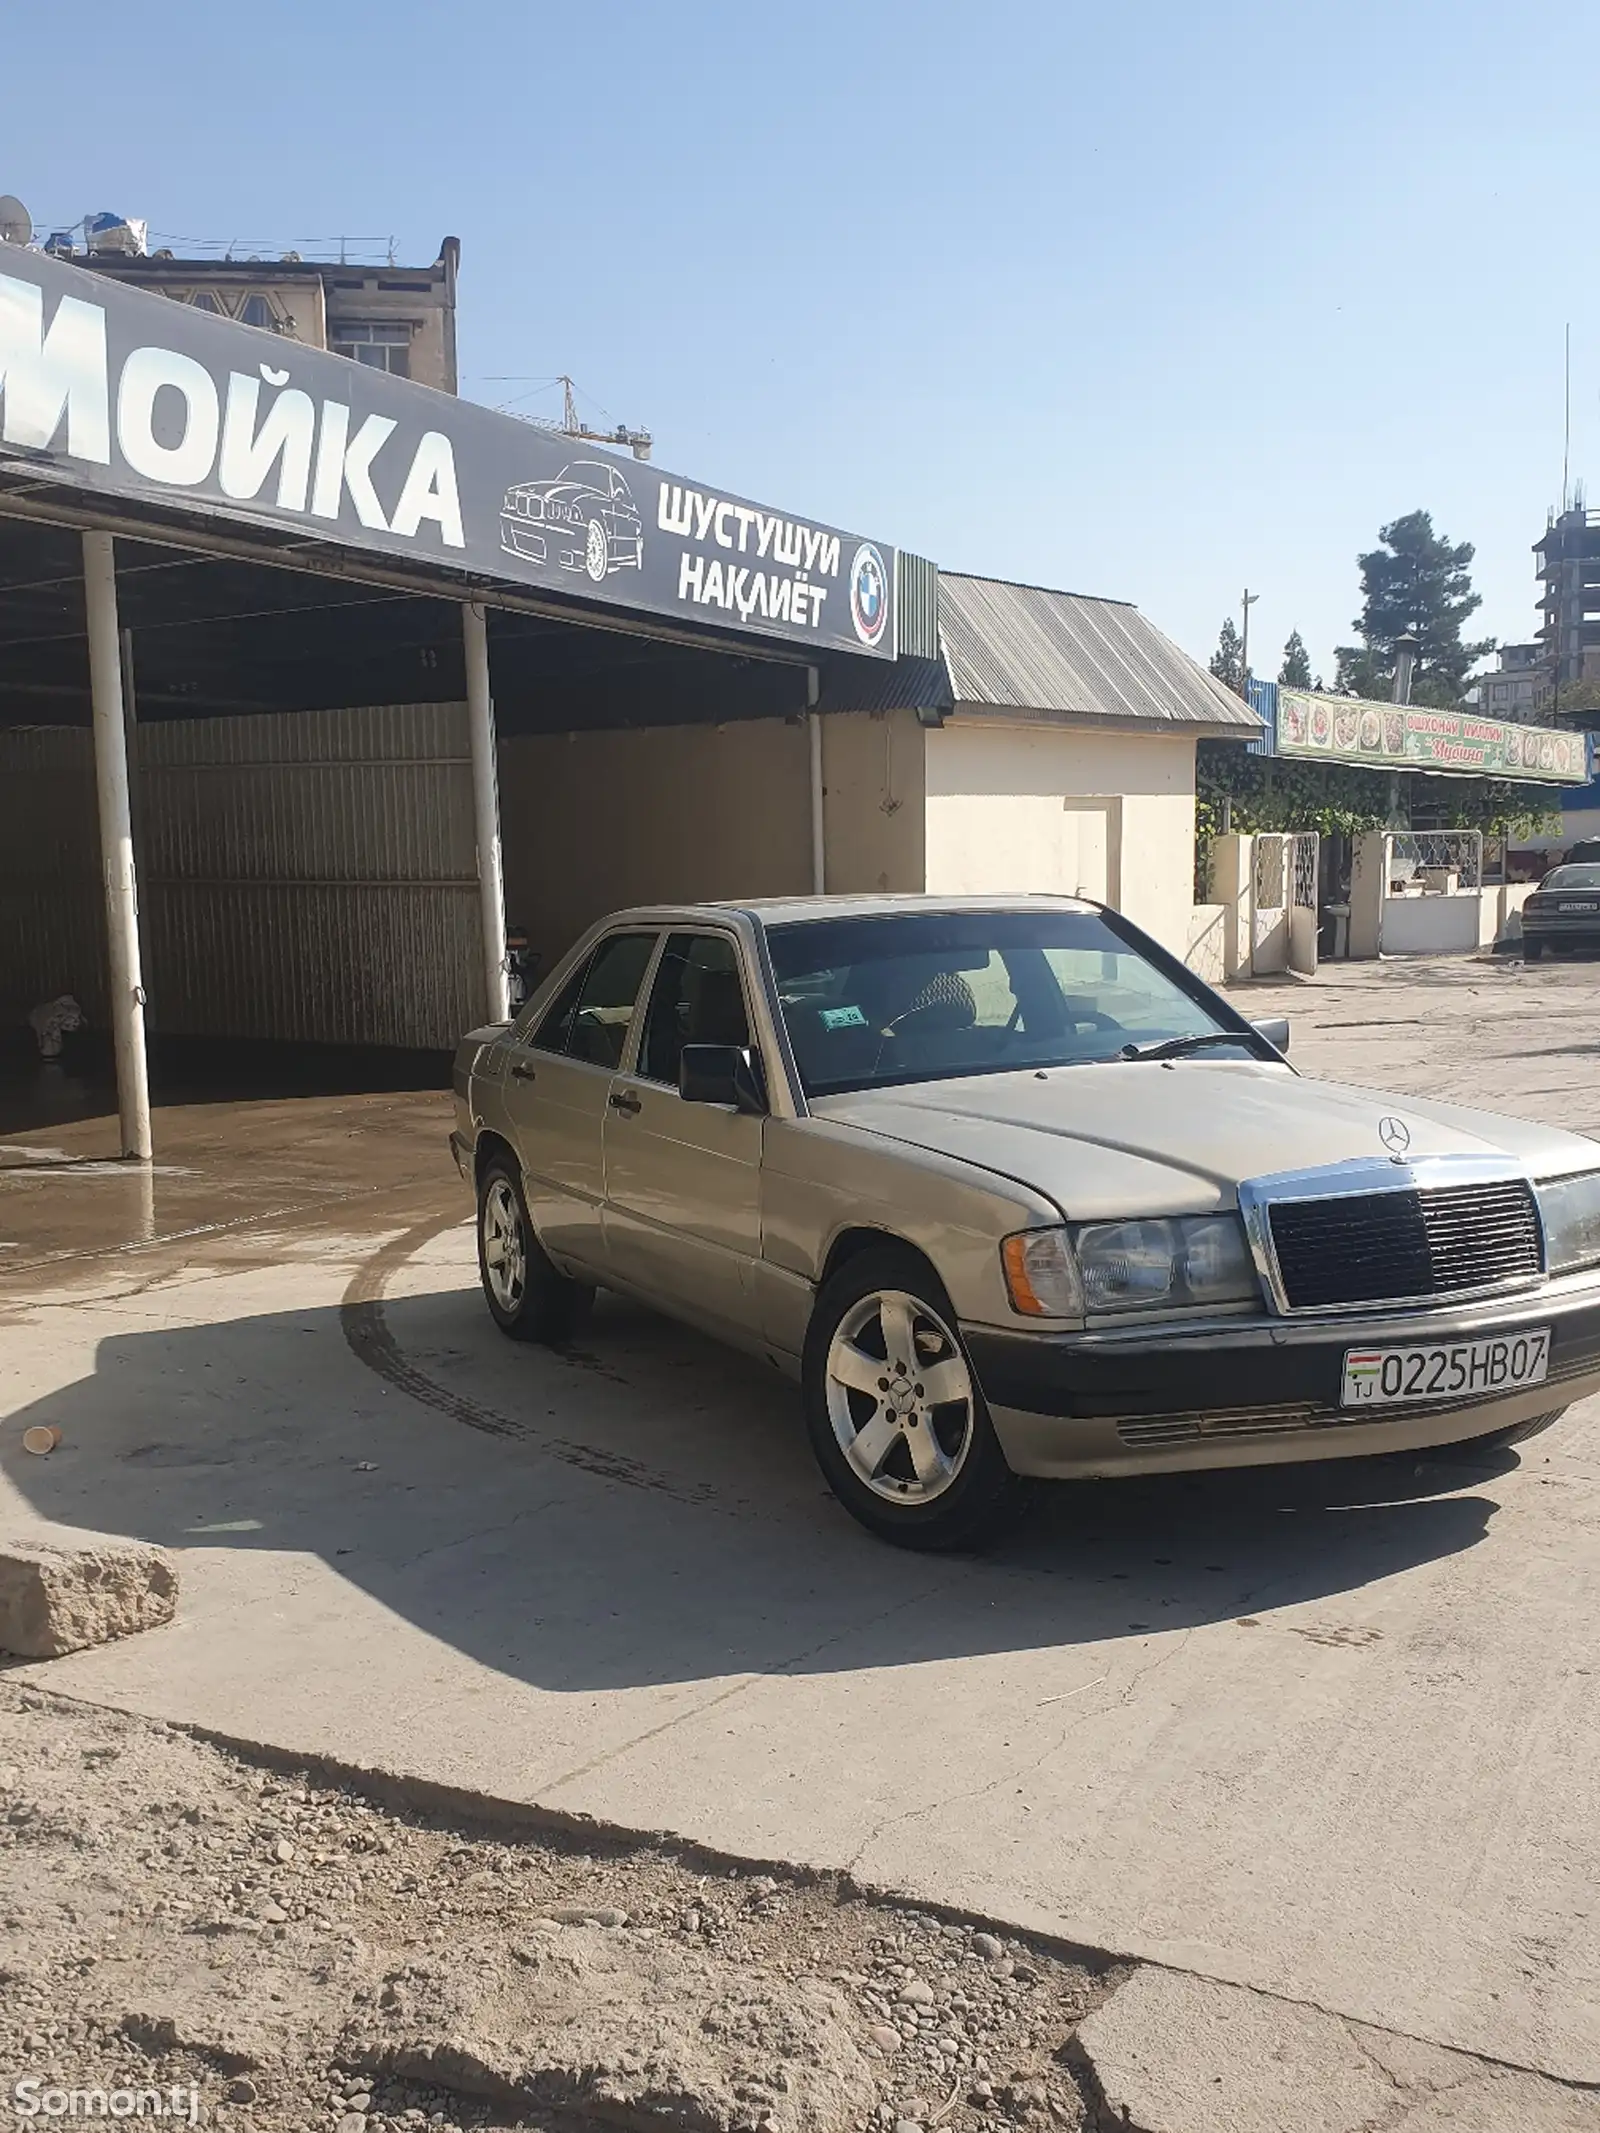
(381, 343)
(203, 300)
(256, 311)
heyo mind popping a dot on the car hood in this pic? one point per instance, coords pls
(1139, 1138)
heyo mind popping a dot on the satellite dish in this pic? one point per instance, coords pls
(16, 224)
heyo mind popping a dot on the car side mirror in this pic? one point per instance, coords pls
(1276, 1031)
(721, 1074)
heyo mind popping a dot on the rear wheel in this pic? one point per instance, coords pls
(528, 1300)
(895, 1414)
(1532, 950)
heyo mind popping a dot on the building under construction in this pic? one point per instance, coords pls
(1567, 562)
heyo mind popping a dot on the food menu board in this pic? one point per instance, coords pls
(1412, 737)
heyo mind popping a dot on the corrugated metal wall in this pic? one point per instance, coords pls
(52, 913)
(917, 607)
(307, 875)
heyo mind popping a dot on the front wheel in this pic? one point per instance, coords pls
(597, 552)
(1514, 1433)
(528, 1300)
(895, 1415)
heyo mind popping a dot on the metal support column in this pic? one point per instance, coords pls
(814, 742)
(486, 809)
(116, 844)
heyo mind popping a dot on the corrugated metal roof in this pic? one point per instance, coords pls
(1022, 648)
(903, 684)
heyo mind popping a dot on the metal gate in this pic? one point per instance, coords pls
(1283, 903)
(1303, 876)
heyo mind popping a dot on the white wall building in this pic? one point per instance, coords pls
(1063, 762)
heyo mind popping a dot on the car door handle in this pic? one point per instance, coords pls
(627, 1102)
(522, 1071)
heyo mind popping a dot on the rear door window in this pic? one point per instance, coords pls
(555, 1024)
(605, 1003)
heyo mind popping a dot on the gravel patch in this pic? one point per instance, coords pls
(309, 1959)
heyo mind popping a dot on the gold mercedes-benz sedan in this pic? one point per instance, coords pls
(1014, 1194)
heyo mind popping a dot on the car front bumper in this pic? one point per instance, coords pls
(519, 536)
(1258, 1392)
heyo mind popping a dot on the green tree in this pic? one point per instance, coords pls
(1416, 581)
(1226, 662)
(1295, 673)
(1579, 700)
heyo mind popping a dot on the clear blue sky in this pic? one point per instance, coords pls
(1147, 301)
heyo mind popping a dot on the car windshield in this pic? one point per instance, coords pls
(873, 1001)
(1579, 877)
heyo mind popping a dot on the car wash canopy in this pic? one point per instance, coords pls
(112, 393)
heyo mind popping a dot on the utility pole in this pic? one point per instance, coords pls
(1249, 602)
(1406, 647)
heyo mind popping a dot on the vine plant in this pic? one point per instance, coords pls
(1286, 793)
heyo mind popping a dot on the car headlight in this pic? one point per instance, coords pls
(1570, 1211)
(1138, 1266)
(1042, 1275)
(1130, 1266)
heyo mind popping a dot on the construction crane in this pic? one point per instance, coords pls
(638, 442)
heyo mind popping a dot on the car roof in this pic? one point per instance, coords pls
(792, 910)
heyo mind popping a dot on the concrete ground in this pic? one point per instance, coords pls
(1329, 1733)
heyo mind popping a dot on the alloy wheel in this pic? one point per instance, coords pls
(900, 1397)
(505, 1248)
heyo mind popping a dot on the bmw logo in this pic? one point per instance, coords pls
(869, 594)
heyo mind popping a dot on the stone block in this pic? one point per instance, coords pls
(56, 1599)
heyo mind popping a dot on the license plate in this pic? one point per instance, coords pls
(1574, 907)
(1455, 1370)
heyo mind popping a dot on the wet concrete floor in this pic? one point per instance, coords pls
(316, 1137)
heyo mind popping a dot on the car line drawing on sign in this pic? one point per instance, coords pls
(583, 518)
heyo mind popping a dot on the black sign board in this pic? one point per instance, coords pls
(129, 394)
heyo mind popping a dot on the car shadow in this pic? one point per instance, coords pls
(645, 1510)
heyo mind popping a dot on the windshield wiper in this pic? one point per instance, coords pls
(1175, 1047)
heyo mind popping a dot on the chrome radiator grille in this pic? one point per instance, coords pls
(1383, 1247)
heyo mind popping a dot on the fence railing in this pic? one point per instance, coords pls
(1419, 861)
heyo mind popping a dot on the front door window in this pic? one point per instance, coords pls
(697, 998)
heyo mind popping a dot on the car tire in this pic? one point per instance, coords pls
(527, 1298)
(1532, 950)
(920, 1471)
(597, 552)
(1513, 1433)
